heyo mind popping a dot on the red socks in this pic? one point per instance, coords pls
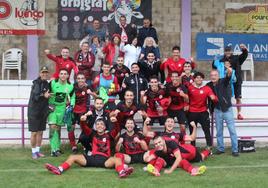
(205, 153)
(65, 166)
(159, 163)
(185, 165)
(71, 138)
(119, 168)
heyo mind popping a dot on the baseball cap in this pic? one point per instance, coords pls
(44, 69)
(228, 48)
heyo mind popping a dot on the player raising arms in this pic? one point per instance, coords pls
(127, 109)
(168, 133)
(101, 153)
(133, 144)
(157, 101)
(64, 61)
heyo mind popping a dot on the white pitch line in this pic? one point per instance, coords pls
(103, 169)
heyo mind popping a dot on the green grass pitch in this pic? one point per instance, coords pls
(17, 170)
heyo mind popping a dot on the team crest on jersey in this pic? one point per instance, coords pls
(83, 93)
(141, 81)
(132, 81)
(178, 90)
(201, 91)
(104, 139)
(122, 74)
(173, 137)
(160, 96)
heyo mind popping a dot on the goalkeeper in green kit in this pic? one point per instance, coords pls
(62, 100)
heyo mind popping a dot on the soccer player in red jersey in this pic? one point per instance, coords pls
(179, 99)
(101, 153)
(107, 86)
(198, 111)
(157, 101)
(134, 145)
(127, 108)
(172, 155)
(187, 75)
(174, 63)
(82, 96)
(64, 61)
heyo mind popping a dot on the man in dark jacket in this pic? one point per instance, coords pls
(151, 67)
(147, 31)
(38, 111)
(223, 110)
(135, 82)
(236, 62)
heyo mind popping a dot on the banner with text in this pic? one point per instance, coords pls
(24, 17)
(209, 45)
(74, 16)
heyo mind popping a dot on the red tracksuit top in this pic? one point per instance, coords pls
(62, 64)
(198, 98)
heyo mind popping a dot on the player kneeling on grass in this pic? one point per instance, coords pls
(169, 154)
(132, 141)
(101, 153)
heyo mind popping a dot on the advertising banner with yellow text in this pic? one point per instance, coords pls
(246, 18)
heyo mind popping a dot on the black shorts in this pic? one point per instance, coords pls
(179, 114)
(197, 158)
(37, 124)
(76, 119)
(238, 90)
(199, 117)
(95, 160)
(137, 158)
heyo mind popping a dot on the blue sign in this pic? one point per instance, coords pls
(210, 45)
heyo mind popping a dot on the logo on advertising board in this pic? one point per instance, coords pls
(5, 10)
(22, 17)
(210, 45)
(28, 13)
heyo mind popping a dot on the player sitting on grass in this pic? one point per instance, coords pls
(101, 153)
(170, 154)
(133, 144)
